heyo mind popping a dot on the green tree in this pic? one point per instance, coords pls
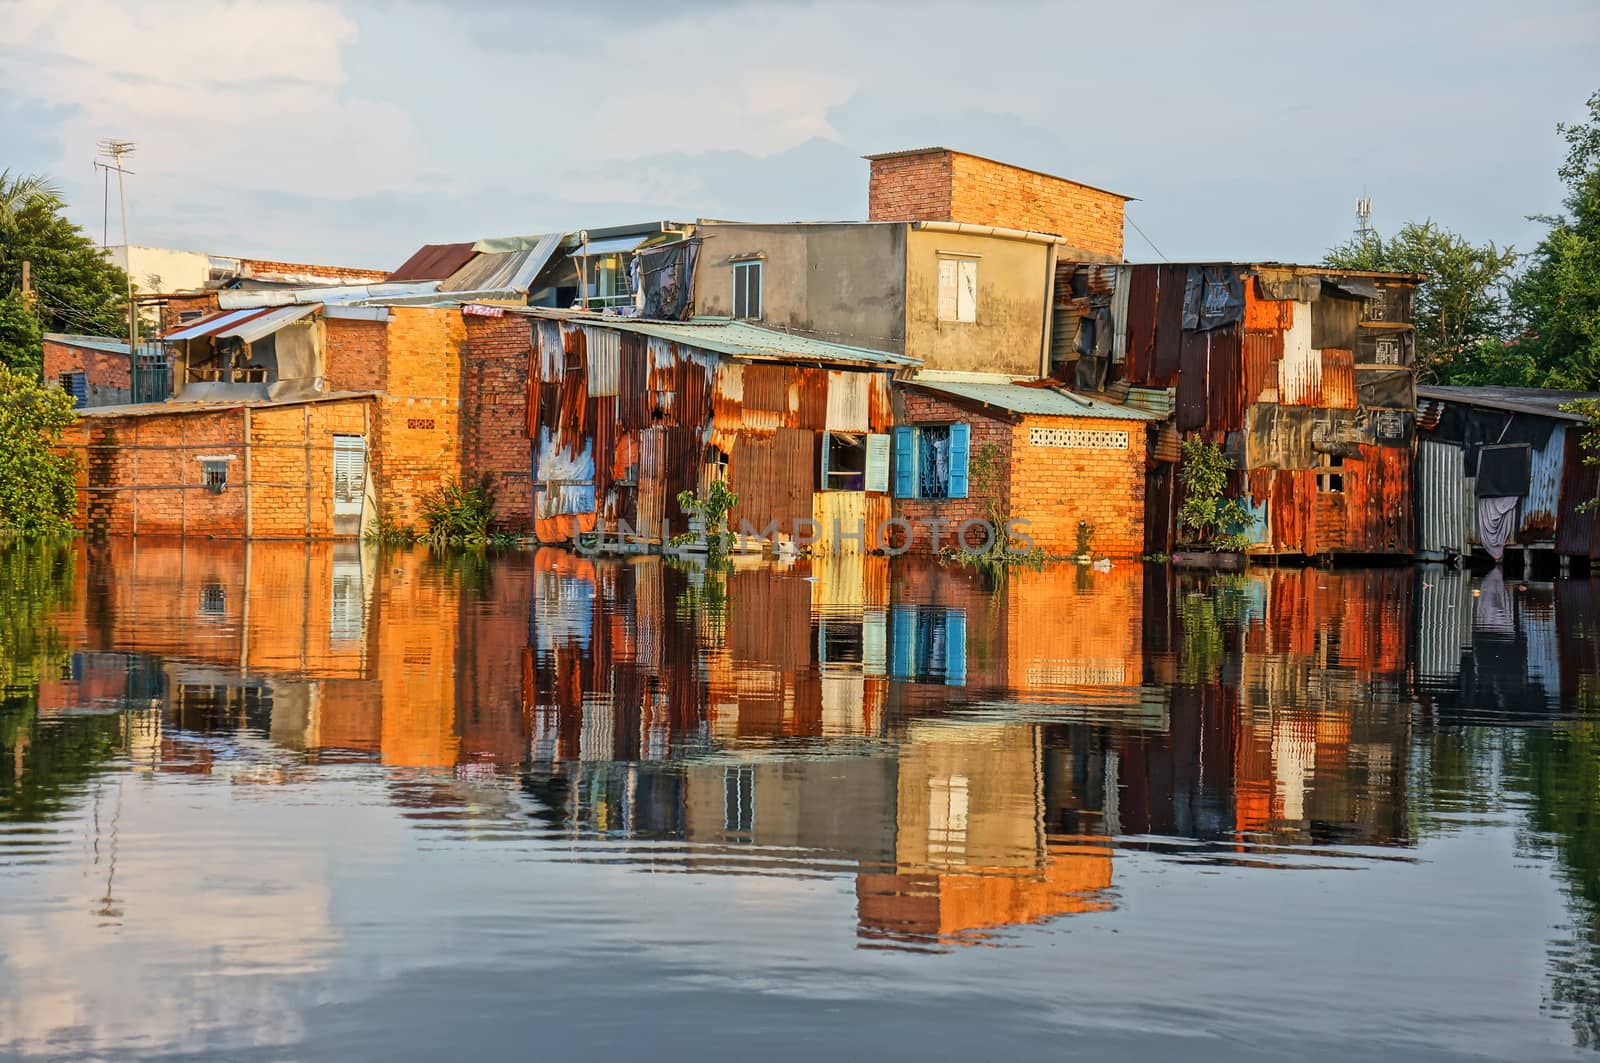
(76, 288)
(1460, 314)
(38, 493)
(1557, 299)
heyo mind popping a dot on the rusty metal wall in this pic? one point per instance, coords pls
(1338, 378)
(1578, 533)
(1192, 354)
(1261, 352)
(1539, 510)
(847, 402)
(1139, 366)
(773, 475)
(1224, 381)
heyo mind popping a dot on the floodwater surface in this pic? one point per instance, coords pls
(284, 801)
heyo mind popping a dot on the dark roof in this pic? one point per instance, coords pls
(1542, 402)
(434, 262)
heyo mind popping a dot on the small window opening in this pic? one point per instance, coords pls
(844, 462)
(214, 475)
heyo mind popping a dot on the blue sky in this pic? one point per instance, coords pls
(352, 132)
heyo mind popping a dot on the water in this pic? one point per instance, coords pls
(306, 802)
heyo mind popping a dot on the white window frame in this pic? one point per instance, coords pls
(741, 285)
(957, 289)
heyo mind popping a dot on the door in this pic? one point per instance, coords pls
(349, 483)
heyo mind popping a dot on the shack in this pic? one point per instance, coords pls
(1303, 374)
(624, 414)
(104, 371)
(1069, 470)
(1501, 469)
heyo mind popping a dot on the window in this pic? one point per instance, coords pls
(931, 461)
(1330, 477)
(75, 385)
(213, 600)
(214, 475)
(958, 289)
(186, 316)
(349, 473)
(747, 290)
(844, 462)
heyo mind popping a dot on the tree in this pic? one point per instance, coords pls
(1557, 299)
(1460, 314)
(75, 288)
(38, 487)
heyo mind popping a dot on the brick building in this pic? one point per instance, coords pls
(938, 184)
(1039, 453)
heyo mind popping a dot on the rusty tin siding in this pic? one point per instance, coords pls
(1540, 508)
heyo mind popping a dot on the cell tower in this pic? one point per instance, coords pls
(1364, 230)
(115, 150)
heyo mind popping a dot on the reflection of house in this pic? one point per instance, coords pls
(1503, 468)
(971, 849)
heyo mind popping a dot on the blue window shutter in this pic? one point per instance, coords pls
(960, 454)
(902, 629)
(905, 462)
(955, 648)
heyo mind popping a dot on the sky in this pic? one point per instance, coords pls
(350, 132)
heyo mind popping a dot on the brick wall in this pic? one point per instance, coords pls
(941, 185)
(986, 432)
(1052, 487)
(1055, 487)
(356, 354)
(104, 372)
(143, 474)
(910, 188)
(417, 443)
(494, 389)
(175, 306)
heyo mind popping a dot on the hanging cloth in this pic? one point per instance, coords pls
(1497, 519)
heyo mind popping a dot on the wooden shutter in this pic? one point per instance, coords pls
(947, 289)
(960, 456)
(905, 462)
(877, 478)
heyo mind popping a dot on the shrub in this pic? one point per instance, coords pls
(1208, 516)
(38, 487)
(457, 513)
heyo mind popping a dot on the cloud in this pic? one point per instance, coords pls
(313, 129)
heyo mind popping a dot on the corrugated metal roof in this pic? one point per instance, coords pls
(434, 262)
(511, 271)
(1542, 402)
(93, 343)
(215, 323)
(266, 324)
(1041, 401)
(159, 409)
(739, 339)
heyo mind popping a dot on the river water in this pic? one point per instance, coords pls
(311, 802)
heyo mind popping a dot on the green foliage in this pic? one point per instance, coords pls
(986, 476)
(458, 513)
(1461, 304)
(712, 512)
(388, 532)
(1207, 514)
(21, 335)
(78, 290)
(1557, 298)
(38, 493)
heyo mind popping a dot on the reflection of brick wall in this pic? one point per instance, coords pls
(941, 185)
(494, 388)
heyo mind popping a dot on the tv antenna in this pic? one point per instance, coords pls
(116, 150)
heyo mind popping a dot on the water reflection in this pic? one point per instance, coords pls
(969, 760)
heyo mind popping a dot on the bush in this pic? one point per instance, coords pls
(38, 487)
(1207, 514)
(458, 513)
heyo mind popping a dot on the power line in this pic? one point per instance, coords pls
(1149, 241)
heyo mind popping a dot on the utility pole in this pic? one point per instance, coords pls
(115, 150)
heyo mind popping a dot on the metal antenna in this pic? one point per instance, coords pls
(1364, 229)
(116, 150)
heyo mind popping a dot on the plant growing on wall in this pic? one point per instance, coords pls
(38, 490)
(1589, 409)
(1208, 517)
(987, 476)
